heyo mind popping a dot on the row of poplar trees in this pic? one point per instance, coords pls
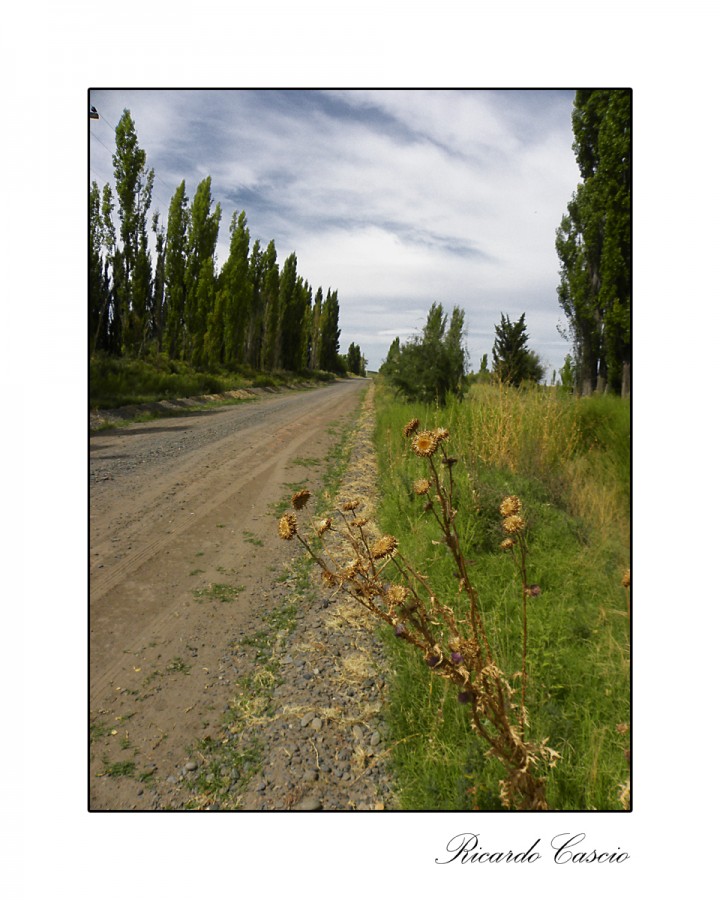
(251, 313)
(594, 242)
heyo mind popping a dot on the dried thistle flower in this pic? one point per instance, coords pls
(411, 427)
(533, 590)
(395, 594)
(350, 570)
(359, 523)
(385, 547)
(510, 506)
(513, 524)
(421, 486)
(350, 505)
(626, 579)
(507, 544)
(300, 498)
(425, 443)
(449, 461)
(622, 728)
(442, 434)
(322, 526)
(287, 527)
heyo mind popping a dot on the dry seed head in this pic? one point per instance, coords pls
(350, 570)
(421, 486)
(510, 506)
(395, 595)
(626, 579)
(425, 443)
(513, 524)
(359, 523)
(507, 544)
(300, 498)
(385, 547)
(350, 505)
(323, 526)
(287, 527)
(442, 434)
(411, 427)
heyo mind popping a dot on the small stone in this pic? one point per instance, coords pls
(308, 804)
(357, 732)
(191, 766)
(316, 724)
(306, 719)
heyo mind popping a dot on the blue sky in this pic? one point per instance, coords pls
(396, 198)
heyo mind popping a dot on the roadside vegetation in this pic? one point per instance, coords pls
(118, 381)
(568, 460)
(503, 569)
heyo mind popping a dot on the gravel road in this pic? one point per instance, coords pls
(184, 560)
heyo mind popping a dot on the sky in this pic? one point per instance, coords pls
(395, 198)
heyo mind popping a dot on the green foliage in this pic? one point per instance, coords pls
(593, 241)
(249, 315)
(431, 367)
(355, 361)
(513, 362)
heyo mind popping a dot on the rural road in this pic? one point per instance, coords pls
(184, 557)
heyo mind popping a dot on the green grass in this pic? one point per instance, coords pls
(224, 593)
(569, 461)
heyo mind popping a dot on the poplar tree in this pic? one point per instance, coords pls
(329, 333)
(133, 186)
(255, 328)
(235, 292)
(269, 354)
(176, 251)
(593, 241)
(200, 269)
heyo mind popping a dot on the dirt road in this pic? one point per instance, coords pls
(184, 557)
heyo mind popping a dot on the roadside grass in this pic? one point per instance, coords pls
(115, 382)
(569, 462)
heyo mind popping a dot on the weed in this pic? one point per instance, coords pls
(178, 665)
(251, 538)
(224, 593)
(452, 639)
(124, 769)
(307, 462)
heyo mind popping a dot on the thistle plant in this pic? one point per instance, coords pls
(453, 639)
(516, 543)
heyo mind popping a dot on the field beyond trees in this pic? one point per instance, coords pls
(568, 461)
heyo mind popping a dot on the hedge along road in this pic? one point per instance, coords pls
(185, 559)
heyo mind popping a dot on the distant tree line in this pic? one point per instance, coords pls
(251, 313)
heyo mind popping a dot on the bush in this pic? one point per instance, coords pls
(430, 367)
